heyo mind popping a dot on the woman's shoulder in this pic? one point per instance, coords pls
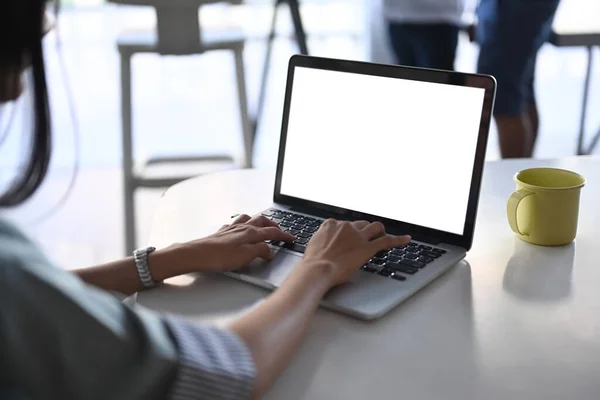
(10, 230)
(16, 249)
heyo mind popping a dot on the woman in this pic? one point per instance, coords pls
(62, 336)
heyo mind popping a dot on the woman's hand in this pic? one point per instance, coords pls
(341, 248)
(334, 253)
(231, 247)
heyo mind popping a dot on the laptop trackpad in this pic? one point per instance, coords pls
(273, 271)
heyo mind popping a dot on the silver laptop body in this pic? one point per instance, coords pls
(401, 145)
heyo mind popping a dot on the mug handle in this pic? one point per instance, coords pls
(511, 209)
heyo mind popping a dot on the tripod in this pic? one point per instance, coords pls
(300, 37)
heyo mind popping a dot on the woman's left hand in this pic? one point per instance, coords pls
(231, 247)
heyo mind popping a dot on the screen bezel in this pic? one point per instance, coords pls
(486, 82)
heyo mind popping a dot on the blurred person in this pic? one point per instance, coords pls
(510, 34)
(63, 336)
(424, 33)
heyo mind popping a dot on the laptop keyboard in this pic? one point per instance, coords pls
(301, 226)
(397, 263)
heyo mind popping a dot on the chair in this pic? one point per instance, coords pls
(178, 33)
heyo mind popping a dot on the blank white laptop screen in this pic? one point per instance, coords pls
(394, 148)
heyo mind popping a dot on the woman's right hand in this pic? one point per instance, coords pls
(342, 247)
(334, 253)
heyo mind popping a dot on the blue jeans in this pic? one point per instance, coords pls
(510, 33)
(424, 45)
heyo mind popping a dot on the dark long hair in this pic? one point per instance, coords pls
(21, 33)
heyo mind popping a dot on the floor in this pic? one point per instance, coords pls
(188, 105)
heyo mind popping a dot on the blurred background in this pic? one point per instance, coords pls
(189, 105)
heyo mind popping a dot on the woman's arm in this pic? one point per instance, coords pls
(334, 253)
(274, 329)
(118, 276)
(233, 246)
(122, 276)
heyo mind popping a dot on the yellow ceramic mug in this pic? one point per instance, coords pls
(545, 208)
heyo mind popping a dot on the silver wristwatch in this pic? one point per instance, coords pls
(140, 257)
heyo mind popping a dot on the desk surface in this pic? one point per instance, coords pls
(513, 321)
(577, 23)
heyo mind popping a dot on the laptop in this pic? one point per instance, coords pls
(400, 145)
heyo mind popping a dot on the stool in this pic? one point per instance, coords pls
(177, 33)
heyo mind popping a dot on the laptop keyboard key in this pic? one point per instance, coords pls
(430, 254)
(304, 235)
(285, 224)
(423, 247)
(406, 266)
(295, 247)
(393, 258)
(411, 256)
(372, 268)
(438, 251)
(412, 264)
(408, 270)
(309, 229)
(369, 268)
(426, 260)
(393, 266)
(386, 272)
(301, 241)
(378, 261)
(398, 252)
(398, 277)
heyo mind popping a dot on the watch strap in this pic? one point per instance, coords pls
(140, 257)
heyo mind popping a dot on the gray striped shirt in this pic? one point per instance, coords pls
(62, 339)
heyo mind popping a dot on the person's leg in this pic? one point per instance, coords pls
(400, 37)
(514, 135)
(510, 33)
(436, 45)
(531, 104)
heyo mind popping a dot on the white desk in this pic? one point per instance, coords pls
(577, 25)
(514, 322)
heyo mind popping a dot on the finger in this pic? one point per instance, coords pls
(241, 219)
(360, 224)
(223, 228)
(273, 233)
(262, 250)
(373, 230)
(261, 221)
(330, 222)
(388, 241)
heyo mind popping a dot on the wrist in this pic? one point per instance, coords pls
(167, 263)
(182, 258)
(318, 274)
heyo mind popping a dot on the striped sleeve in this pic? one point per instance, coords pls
(213, 363)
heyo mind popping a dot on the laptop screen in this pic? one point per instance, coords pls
(395, 148)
